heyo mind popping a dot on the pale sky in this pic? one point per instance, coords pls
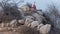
(42, 4)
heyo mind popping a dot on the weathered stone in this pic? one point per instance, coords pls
(21, 12)
(27, 21)
(34, 24)
(26, 8)
(38, 17)
(45, 29)
(39, 26)
(6, 24)
(31, 17)
(21, 21)
(29, 25)
(40, 13)
(13, 23)
(2, 24)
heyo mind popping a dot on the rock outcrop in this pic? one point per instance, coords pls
(24, 20)
(45, 29)
(34, 24)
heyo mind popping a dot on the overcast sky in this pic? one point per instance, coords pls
(42, 4)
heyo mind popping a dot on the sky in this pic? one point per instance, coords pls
(41, 4)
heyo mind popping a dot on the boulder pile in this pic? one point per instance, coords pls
(18, 18)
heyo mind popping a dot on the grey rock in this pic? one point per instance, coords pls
(40, 13)
(31, 17)
(28, 21)
(38, 17)
(34, 24)
(21, 21)
(39, 26)
(45, 29)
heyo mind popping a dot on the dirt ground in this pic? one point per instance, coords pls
(18, 30)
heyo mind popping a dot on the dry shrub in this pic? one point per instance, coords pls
(53, 17)
(9, 12)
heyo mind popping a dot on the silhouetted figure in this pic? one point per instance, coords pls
(34, 6)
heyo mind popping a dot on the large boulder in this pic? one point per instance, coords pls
(13, 23)
(38, 17)
(39, 26)
(25, 8)
(28, 21)
(1, 24)
(34, 24)
(40, 13)
(45, 29)
(31, 17)
(21, 21)
(22, 12)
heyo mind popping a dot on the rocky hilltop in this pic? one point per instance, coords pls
(25, 20)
